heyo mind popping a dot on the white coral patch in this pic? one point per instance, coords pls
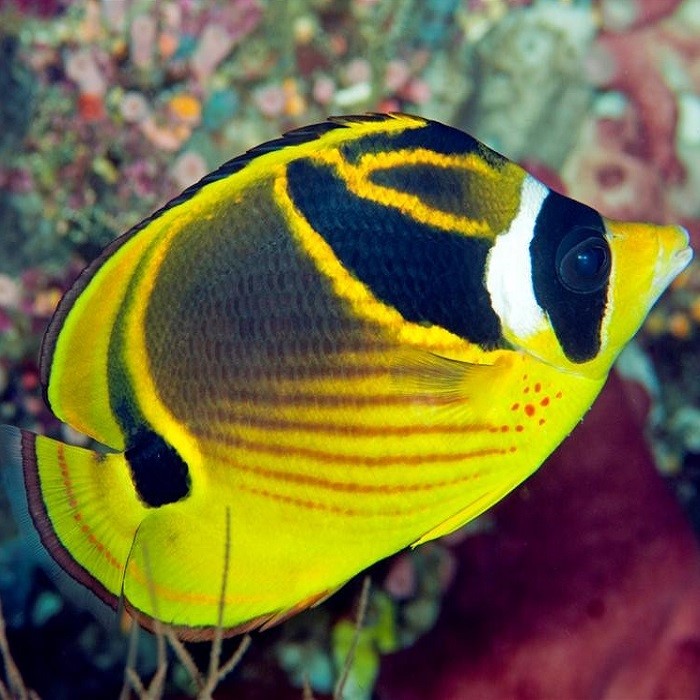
(509, 268)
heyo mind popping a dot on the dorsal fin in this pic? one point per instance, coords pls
(293, 137)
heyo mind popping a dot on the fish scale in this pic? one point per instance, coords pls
(345, 342)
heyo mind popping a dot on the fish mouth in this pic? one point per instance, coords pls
(681, 259)
(675, 256)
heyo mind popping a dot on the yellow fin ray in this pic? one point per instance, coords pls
(417, 371)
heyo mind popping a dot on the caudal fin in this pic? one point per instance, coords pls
(83, 505)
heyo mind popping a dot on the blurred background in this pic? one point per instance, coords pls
(586, 581)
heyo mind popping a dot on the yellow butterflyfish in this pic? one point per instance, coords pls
(345, 342)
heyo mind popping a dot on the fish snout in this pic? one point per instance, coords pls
(675, 255)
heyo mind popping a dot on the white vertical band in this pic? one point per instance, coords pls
(509, 268)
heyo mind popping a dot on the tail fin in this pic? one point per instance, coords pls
(83, 505)
(12, 479)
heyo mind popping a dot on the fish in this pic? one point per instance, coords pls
(348, 341)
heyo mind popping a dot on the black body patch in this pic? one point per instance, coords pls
(159, 474)
(430, 276)
(440, 188)
(575, 317)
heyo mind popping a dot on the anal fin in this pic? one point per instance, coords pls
(465, 515)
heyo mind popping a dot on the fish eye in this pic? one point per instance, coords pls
(583, 260)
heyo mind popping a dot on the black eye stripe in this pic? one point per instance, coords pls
(576, 315)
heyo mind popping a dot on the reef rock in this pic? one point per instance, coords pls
(531, 92)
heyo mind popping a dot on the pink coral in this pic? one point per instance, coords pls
(140, 177)
(545, 174)
(166, 137)
(270, 100)
(143, 38)
(10, 292)
(627, 14)
(359, 70)
(16, 180)
(84, 70)
(40, 8)
(241, 17)
(639, 156)
(214, 45)
(189, 167)
(401, 581)
(398, 73)
(134, 107)
(620, 186)
(588, 586)
(631, 63)
(234, 22)
(417, 91)
(323, 89)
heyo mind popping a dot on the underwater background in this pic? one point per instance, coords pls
(585, 582)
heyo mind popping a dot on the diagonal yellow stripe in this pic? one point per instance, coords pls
(363, 303)
(357, 180)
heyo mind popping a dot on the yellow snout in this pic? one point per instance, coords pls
(645, 259)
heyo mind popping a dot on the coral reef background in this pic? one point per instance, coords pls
(108, 108)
